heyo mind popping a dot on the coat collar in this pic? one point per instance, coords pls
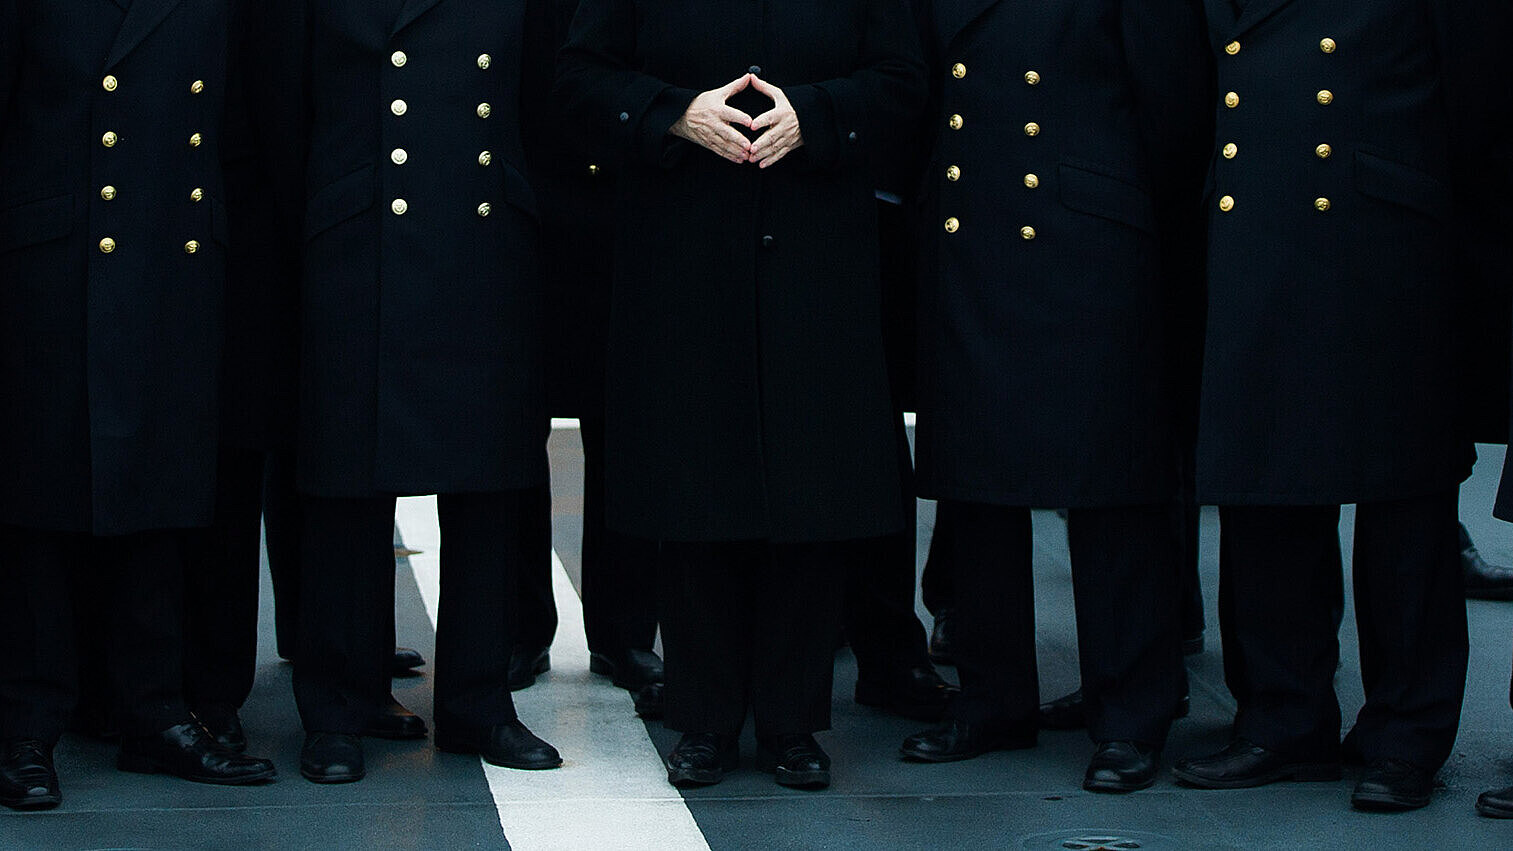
(412, 9)
(142, 18)
(953, 16)
(1255, 12)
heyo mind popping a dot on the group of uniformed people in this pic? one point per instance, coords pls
(297, 258)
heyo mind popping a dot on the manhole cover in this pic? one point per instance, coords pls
(1098, 840)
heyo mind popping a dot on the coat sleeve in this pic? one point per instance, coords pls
(624, 111)
(854, 117)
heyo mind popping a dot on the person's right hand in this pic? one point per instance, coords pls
(711, 123)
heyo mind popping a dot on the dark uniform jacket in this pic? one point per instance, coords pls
(747, 393)
(421, 304)
(112, 232)
(1069, 147)
(1339, 173)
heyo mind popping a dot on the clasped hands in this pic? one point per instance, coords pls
(711, 122)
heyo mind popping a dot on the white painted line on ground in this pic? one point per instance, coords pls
(612, 791)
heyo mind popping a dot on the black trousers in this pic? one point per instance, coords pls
(750, 625)
(341, 673)
(619, 570)
(1280, 576)
(140, 576)
(1125, 567)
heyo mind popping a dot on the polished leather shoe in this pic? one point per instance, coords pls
(918, 693)
(940, 638)
(796, 760)
(28, 780)
(701, 759)
(631, 670)
(1121, 767)
(223, 725)
(1243, 764)
(508, 745)
(649, 701)
(189, 752)
(1496, 803)
(1391, 785)
(332, 758)
(1484, 580)
(1069, 712)
(405, 662)
(395, 722)
(527, 663)
(954, 740)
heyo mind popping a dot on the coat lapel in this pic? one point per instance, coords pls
(953, 16)
(1255, 12)
(412, 9)
(141, 19)
(1221, 21)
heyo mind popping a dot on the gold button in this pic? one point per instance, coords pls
(955, 122)
(1027, 232)
(1326, 97)
(484, 158)
(399, 58)
(484, 61)
(953, 173)
(952, 225)
(197, 195)
(109, 83)
(107, 193)
(1321, 204)
(593, 170)
(1227, 203)
(1323, 152)
(1232, 48)
(484, 209)
(110, 139)
(1032, 181)
(107, 245)
(195, 140)
(484, 110)
(1230, 150)
(1232, 100)
(197, 87)
(1328, 45)
(1032, 129)
(958, 70)
(399, 206)
(191, 247)
(1032, 78)
(399, 107)
(398, 156)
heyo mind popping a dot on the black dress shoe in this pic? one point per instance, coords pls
(332, 758)
(405, 662)
(1496, 803)
(1243, 764)
(223, 725)
(1121, 767)
(508, 745)
(526, 663)
(797, 760)
(940, 638)
(395, 722)
(632, 669)
(701, 759)
(953, 740)
(1069, 712)
(1484, 580)
(187, 751)
(649, 701)
(918, 693)
(1391, 785)
(28, 780)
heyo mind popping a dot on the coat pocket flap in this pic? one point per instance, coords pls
(518, 192)
(339, 200)
(1399, 184)
(36, 221)
(1107, 197)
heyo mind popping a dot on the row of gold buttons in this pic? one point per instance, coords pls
(956, 122)
(399, 156)
(110, 83)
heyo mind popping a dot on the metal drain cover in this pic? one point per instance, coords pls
(1099, 840)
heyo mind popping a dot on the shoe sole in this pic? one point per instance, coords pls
(1387, 803)
(689, 777)
(1117, 788)
(472, 750)
(139, 765)
(1307, 773)
(817, 779)
(1493, 811)
(1014, 745)
(541, 667)
(324, 779)
(31, 803)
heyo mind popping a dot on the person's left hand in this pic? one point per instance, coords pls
(782, 127)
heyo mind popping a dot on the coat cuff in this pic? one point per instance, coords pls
(654, 144)
(827, 141)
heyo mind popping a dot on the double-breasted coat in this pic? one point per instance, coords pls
(112, 253)
(1341, 215)
(421, 303)
(1062, 188)
(747, 396)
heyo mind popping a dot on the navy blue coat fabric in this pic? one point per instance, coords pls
(109, 361)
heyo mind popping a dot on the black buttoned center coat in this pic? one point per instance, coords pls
(747, 394)
(112, 233)
(421, 303)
